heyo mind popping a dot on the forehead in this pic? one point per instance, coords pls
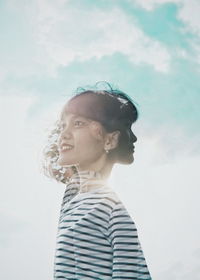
(68, 116)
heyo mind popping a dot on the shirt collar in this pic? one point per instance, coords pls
(88, 180)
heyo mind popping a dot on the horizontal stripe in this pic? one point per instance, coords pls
(83, 247)
(83, 255)
(97, 238)
(84, 240)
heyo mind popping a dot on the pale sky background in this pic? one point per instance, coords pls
(151, 50)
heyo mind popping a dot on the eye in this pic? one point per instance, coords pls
(78, 123)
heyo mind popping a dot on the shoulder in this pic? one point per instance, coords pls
(117, 208)
(108, 198)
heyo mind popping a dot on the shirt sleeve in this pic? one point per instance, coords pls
(128, 258)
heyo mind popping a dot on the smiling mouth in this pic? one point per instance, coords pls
(65, 148)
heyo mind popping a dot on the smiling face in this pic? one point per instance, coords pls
(81, 141)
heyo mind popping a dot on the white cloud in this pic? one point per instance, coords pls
(77, 34)
(63, 33)
(58, 32)
(152, 4)
(188, 13)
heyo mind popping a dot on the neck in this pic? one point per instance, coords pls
(92, 176)
(88, 180)
(102, 165)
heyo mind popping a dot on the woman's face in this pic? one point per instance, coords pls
(80, 142)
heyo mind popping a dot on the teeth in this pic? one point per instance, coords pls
(66, 147)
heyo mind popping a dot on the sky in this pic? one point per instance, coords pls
(148, 49)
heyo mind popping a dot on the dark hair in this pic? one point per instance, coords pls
(114, 109)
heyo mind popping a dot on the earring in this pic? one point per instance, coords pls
(107, 151)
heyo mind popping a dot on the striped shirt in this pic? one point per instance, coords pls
(96, 238)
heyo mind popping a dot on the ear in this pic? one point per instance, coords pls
(112, 140)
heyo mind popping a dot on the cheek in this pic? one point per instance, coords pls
(96, 131)
(89, 142)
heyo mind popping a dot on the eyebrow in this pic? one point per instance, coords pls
(74, 116)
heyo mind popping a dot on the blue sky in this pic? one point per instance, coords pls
(148, 49)
(48, 49)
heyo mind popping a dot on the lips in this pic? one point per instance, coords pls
(132, 148)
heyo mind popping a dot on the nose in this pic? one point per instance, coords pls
(134, 138)
(65, 133)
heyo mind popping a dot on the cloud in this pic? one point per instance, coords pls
(82, 35)
(188, 13)
(152, 4)
(63, 32)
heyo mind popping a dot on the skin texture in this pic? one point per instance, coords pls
(89, 140)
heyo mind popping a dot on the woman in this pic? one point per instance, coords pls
(97, 238)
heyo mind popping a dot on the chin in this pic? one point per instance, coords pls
(63, 162)
(127, 160)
